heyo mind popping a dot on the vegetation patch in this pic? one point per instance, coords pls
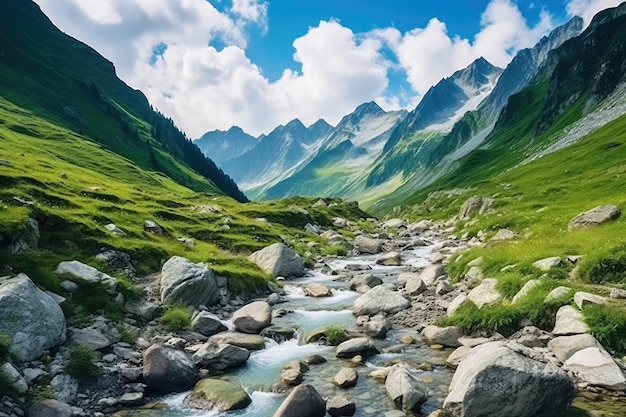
(176, 318)
(335, 335)
(82, 363)
(607, 324)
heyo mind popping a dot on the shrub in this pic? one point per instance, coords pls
(82, 362)
(176, 318)
(129, 336)
(609, 267)
(38, 394)
(335, 335)
(608, 325)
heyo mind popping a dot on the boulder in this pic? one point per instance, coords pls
(14, 378)
(365, 244)
(458, 301)
(142, 309)
(50, 408)
(473, 206)
(420, 226)
(31, 318)
(244, 340)
(523, 292)
(405, 388)
(167, 369)
(94, 337)
(315, 289)
(377, 327)
(253, 317)
(430, 274)
(503, 379)
(547, 263)
(564, 347)
(357, 346)
(404, 277)
(390, 259)
(596, 367)
(415, 285)
(445, 336)
(581, 298)
(279, 334)
(617, 293)
(111, 227)
(186, 283)
(293, 373)
(485, 294)
(559, 293)
(75, 270)
(207, 324)
(457, 356)
(303, 401)
(569, 321)
(213, 393)
(346, 378)
(504, 234)
(152, 227)
(444, 287)
(119, 261)
(364, 282)
(379, 299)
(341, 405)
(220, 357)
(395, 224)
(594, 217)
(279, 260)
(26, 239)
(65, 388)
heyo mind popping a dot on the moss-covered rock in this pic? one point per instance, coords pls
(212, 393)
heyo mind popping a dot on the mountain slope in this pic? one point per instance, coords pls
(222, 146)
(89, 99)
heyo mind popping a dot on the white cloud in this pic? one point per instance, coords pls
(588, 8)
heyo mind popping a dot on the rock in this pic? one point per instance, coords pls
(594, 217)
(65, 388)
(564, 347)
(525, 290)
(186, 283)
(32, 374)
(142, 309)
(119, 261)
(292, 373)
(415, 285)
(14, 378)
(314, 229)
(504, 234)
(50, 408)
(253, 317)
(75, 270)
(357, 346)
(379, 299)
(581, 298)
(341, 405)
(390, 259)
(315, 360)
(617, 293)
(304, 401)
(279, 260)
(596, 367)
(211, 393)
(557, 294)
(473, 275)
(111, 227)
(5, 163)
(364, 282)
(503, 379)
(395, 224)
(132, 399)
(279, 334)
(377, 327)
(473, 206)
(404, 277)
(547, 263)
(244, 340)
(152, 227)
(457, 356)
(485, 294)
(430, 274)
(346, 378)
(186, 241)
(444, 287)
(340, 222)
(316, 289)
(92, 337)
(220, 357)
(27, 238)
(405, 388)
(458, 301)
(31, 318)
(367, 245)
(445, 336)
(207, 324)
(569, 321)
(167, 369)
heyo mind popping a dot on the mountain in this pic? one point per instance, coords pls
(90, 100)
(222, 146)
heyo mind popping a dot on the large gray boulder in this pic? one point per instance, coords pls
(564, 347)
(31, 318)
(244, 340)
(76, 270)
(357, 346)
(167, 369)
(379, 299)
(207, 324)
(253, 317)
(365, 244)
(503, 379)
(405, 388)
(485, 294)
(212, 393)
(430, 274)
(569, 321)
(183, 282)
(346, 378)
(364, 282)
(595, 366)
(220, 357)
(279, 260)
(595, 217)
(445, 336)
(304, 401)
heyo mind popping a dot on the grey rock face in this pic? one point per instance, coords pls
(207, 324)
(405, 388)
(595, 366)
(367, 245)
(167, 369)
(304, 401)
(253, 317)
(279, 260)
(220, 357)
(595, 217)
(79, 271)
(30, 317)
(379, 299)
(190, 284)
(445, 336)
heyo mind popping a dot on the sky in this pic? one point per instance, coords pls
(213, 64)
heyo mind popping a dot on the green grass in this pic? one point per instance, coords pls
(608, 325)
(176, 318)
(5, 348)
(335, 335)
(82, 362)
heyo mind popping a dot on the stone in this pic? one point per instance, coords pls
(564, 347)
(118, 261)
(471, 207)
(346, 378)
(32, 374)
(207, 324)
(50, 408)
(357, 346)
(293, 373)
(405, 388)
(379, 299)
(279, 334)
(220, 357)
(547, 264)
(404, 277)
(525, 290)
(444, 287)
(569, 321)
(253, 317)
(70, 286)
(458, 301)
(504, 234)
(595, 217)
(315, 360)
(93, 337)
(581, 298)
(457, 356)
(617, 293)
(279, 260)
(445, 336)
(27, 238)
(76, 270)
(364, 282)
(213, 393)
(430, 274)
(244, 340)
(303, 401)
(65, 388)
(420, 226)
(341, 405)
(485, 294)
(596, 367)
(415, 285)
(365, 244)
(132, 399)
(31, 318)
(503, 379)
(377, 327)
(395, 224)
(390, 259)
(111, 227)
(167, 369)
(315, 289)
(186, 283)
(142, 309)
(560, 293)
(340, 222)
(152, 227)
(14, 378)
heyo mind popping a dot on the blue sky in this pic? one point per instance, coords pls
(260, 63)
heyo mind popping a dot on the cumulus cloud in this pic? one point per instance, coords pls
(588, 8)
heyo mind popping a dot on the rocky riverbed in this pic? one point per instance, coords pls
(354, 336)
